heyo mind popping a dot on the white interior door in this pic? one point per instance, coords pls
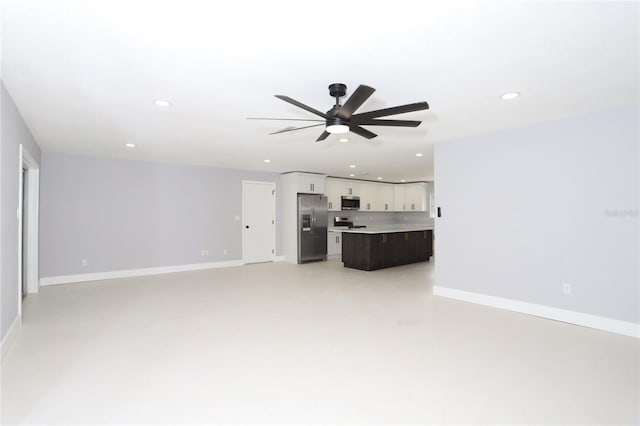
(258, 221)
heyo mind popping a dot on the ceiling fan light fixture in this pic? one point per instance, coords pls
(337, 128)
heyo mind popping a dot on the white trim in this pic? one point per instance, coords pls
(28, 162)
(278, 259)
(21, 156)
(272, 185)
(10, 336)
(572, 317)
(96, 276)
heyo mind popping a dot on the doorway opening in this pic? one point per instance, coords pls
(28, 225)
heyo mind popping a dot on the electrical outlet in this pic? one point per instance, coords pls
(566, 288)
(84, 262)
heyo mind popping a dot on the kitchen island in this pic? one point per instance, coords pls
(377, 247)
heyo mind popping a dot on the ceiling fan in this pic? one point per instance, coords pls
(341, 118)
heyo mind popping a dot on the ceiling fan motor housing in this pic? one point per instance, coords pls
(337, 90)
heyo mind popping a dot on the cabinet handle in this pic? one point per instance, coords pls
(403, 207)
(386, 206)
(330, 204)
(413, 206)
(406, 236)
(384, 238)
(368, 206)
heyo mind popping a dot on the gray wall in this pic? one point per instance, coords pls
(122, 214)
(528, 209)
(14, 132)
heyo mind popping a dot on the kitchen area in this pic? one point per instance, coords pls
(368, 225)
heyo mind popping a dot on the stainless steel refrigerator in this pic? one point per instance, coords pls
(312, 227)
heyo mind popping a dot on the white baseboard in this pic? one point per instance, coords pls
(578, 318)
(10, 336)
(67, 279)
(278, 259)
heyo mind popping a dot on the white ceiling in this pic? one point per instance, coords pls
(84, 75)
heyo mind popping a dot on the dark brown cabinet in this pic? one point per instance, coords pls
(376, 251)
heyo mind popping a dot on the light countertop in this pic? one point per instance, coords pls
(382, 229)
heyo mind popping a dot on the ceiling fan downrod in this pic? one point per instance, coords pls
(337, 90)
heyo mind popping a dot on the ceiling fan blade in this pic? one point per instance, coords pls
(362, 132)
(397, 123)
(290, 129)
(323, 136)
(283, 119)
(390, 111)
(301, 105)
(358, 97)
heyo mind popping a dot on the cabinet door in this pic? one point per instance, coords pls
(334, 243)
(309, 183)
(332, 189)
(367, 196)
(398, 198)
(385, 195)
(415, 197)
(349, 187)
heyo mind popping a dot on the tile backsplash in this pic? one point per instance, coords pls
(383, 218)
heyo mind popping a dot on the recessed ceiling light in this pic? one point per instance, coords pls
(130, 145)
(509, 96)
(267, 161)
(352, 175)
(419, 154)
(162, 103)
(353, 166)
(379, 177)
(403, 180)
(344, 140)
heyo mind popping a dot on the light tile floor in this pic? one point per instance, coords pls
(305, 344)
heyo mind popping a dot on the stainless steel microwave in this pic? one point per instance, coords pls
(350, 202)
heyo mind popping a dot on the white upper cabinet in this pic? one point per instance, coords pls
(411, 197)
(380, 197)
(398, 198)
(386, 196)
(335, 188)
(350, 187)
(332, 189)
(376, 197)
(307, 183)
(367, 196)
(415, 197)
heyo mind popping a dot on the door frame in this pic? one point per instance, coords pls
(28, 162)
(272, 185)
